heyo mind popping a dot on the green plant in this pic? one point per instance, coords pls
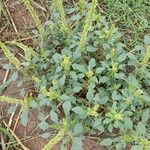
(109, 93)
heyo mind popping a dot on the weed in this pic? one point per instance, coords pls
(108, 95)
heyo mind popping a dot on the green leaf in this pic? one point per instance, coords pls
(136, 147)
(131, 56)
(46, 135)
(122, 57)
(103, 100)
(94, 79)
(141, 129)
(110, 127)
(77, 89)
(91, 85)
(75, 17)
(41, 117)
(14, 76)
(145, 115)
(77, 144)
(78, 110)
(62, 80)
(81, 75)
(146, 98)
(78, 67)
(22, 92)
(81, 112)
(90, 49)
(73, 75)
(96, 98)
(115, 96)
(64, 97)
(71, 10)
(58, 69)
(25, 64)
(7, 66)
(92, 63)
(57, 57)
(132, 81)
(77, 53)
(97, 122)
(90, 95)
(107, 121)
(67, 106)
(78, 129)
(147, 39)
(100, 70)
(43, 125)
(12, 109)
(54, 116)
(128, 123)
(33, 104)
(119, 146)
(106, 142)
(103, 79)
(24, 117)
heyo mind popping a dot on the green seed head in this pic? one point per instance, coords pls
(119, 116)
(89, 74)
(93, 111)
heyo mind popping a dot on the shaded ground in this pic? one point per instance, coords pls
(21, 22)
